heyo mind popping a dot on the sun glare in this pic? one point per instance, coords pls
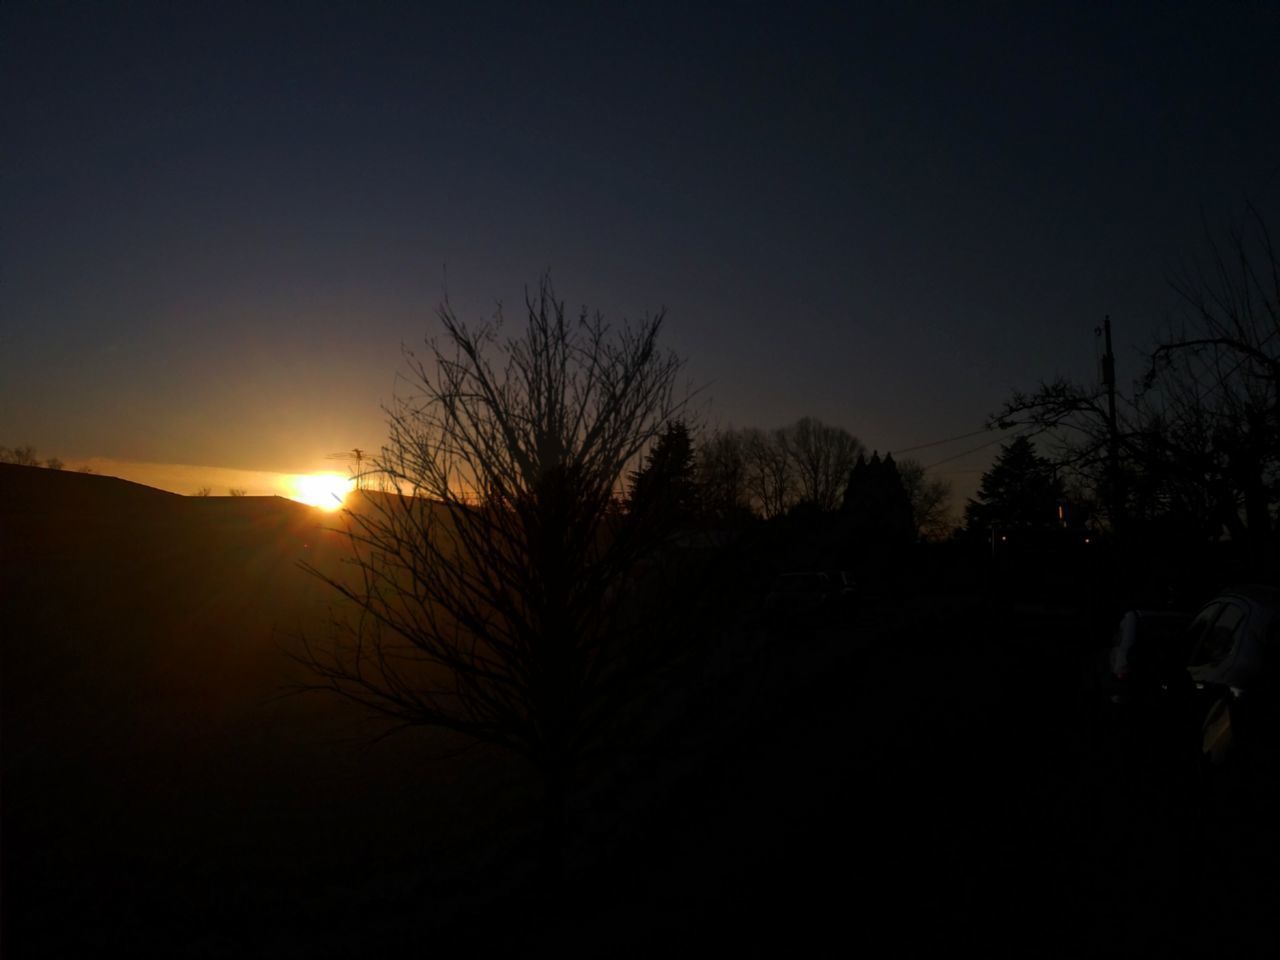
(323, 490)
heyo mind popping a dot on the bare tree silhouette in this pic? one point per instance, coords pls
(770, 471)
(1199, 438)
(722, 475)
(1218, 380)
(491, 573)
(823, 456)
(24, 456)
(805, 462)
(930, 499)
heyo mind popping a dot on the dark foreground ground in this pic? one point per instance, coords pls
(931, 772)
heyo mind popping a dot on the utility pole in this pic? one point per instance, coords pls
(1113, 431)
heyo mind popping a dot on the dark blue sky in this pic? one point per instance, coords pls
(221, 220)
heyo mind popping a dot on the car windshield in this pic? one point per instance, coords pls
(1213, 643)
(1203, 621)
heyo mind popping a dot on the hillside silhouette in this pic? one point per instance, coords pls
(150, 762)
(929, 751)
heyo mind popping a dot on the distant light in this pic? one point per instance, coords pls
(1003, 538)
(1086, 539)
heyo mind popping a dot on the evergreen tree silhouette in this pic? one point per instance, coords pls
(876, 502)
(1020, 492)
(665, 490)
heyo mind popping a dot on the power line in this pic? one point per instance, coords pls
(982, 446)
(938, 443)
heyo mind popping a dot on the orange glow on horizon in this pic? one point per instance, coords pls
(324, 490)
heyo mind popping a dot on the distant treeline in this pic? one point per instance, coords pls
(25, 456)
(807, 467)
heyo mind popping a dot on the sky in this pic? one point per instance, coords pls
(219, 223)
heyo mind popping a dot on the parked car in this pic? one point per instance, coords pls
(1230, 698)
(1234, 670)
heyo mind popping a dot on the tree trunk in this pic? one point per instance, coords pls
(549, 894)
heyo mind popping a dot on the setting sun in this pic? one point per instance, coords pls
(323, 490)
